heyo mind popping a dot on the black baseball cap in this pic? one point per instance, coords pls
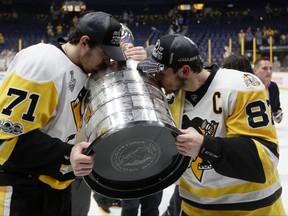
(170, 51)
(104, 29)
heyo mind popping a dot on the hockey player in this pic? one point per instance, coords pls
(40, 109)
(227, 130)
(263, 70)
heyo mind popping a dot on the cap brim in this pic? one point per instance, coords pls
(149, 65)
(114, 52)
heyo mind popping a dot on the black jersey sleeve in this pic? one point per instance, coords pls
(39, 154)
(238, 157)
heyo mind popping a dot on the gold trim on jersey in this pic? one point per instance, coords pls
(274, 209)
(175, 108)
(242, 187)
(5, 194)
(266, 159)
(55, 183)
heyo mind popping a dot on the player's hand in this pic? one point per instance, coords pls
(137, 53)
(278, 116)
(81, 163)
(189, 143)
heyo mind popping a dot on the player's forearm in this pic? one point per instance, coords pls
(38, 153)
(239, 158)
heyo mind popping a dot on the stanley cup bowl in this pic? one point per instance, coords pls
(132, 133)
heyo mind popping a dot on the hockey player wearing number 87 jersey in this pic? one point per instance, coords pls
(227, 130)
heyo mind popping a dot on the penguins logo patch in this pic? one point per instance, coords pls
(198, 166)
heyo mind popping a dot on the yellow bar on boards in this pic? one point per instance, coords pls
(242, 46)
(271, 45)
(20, 44)
(209, 50)
(254, 49)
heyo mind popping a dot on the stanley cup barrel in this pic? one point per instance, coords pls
(132, 133)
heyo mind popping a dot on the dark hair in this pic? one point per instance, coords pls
(75, 35)
(264, 58)
(238, 62)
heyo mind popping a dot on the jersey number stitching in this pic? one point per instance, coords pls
(257, 116)
(21, 96)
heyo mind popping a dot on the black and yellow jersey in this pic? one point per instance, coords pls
(40, 110)
(236, 170)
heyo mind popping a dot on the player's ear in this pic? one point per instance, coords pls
(185, 70)
(84, 40)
